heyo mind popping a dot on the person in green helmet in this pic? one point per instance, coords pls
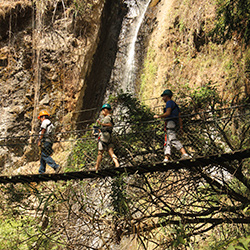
(105, 138)
(172, 116)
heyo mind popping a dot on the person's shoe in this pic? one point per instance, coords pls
(185, 157)
(165, 160)
(57, 170)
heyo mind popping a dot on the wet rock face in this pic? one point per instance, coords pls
(14, 92)
(103, 61)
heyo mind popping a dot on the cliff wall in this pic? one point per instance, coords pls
(183, 55)
(50, 57)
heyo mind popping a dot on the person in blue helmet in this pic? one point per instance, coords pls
(172, 117)
(105, 137)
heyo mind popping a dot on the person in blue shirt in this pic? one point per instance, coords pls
(172, 117)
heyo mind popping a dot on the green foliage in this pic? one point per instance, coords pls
(205, 97)
(233, 18)
(83, 153)
(14, 197)
(83, 7)
(242, 243)
(149, 72)
(179, 236)
(137, 133)
(132, 111)
(20, 229)
(118, 196)
(15, 232)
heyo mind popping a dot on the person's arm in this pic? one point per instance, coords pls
(166, 114)
(41, 137)
(180, 123)
(105, 124)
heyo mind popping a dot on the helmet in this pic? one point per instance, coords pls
(167, 92)
(106, 106)
(42, 113)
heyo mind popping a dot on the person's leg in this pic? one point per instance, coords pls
(178, 145)
(99, 159)
(114, 157)
(184, 154)
(51, 162)
(48, 159)
(42, 168)
(183, 151)
(167, 147)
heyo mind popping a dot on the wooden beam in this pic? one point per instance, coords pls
(140, 169)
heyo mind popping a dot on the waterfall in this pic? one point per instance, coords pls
(114, 63)
(124, 72)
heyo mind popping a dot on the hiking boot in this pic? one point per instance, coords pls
(57, 170)
(185, 157)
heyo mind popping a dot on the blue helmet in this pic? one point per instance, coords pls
(106, 106)
(167, 92)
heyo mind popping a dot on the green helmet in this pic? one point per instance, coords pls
(106, 106)
(167, 92)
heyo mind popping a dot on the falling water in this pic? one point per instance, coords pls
(123, 75)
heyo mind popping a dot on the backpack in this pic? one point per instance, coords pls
(49, 135)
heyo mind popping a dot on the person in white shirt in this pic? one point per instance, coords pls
(46, 142)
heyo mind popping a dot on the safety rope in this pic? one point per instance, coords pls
(205, 135)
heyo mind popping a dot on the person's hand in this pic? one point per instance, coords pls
(39, 143)
(98, 122)
(156, 116)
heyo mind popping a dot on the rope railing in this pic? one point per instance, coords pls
(204, 134)
(194, 117)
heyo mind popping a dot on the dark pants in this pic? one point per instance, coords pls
(46, 158)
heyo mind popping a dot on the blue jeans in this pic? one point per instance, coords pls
(46, 158)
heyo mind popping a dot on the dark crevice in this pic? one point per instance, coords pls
(16, 17)
(103, 60)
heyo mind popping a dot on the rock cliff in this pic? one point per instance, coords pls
(182, 54)
(58, 55)
(51, 57)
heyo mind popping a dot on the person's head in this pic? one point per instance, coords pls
(106, 109)
(166, 95)
(43, 115)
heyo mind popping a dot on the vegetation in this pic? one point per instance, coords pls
(149, 72)
(233, 20)
(176, 209)
(84, 153)
(164, 210)
(212, 50)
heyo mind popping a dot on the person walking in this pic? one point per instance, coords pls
(172, 117)
(45, 141)
(105, 137)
